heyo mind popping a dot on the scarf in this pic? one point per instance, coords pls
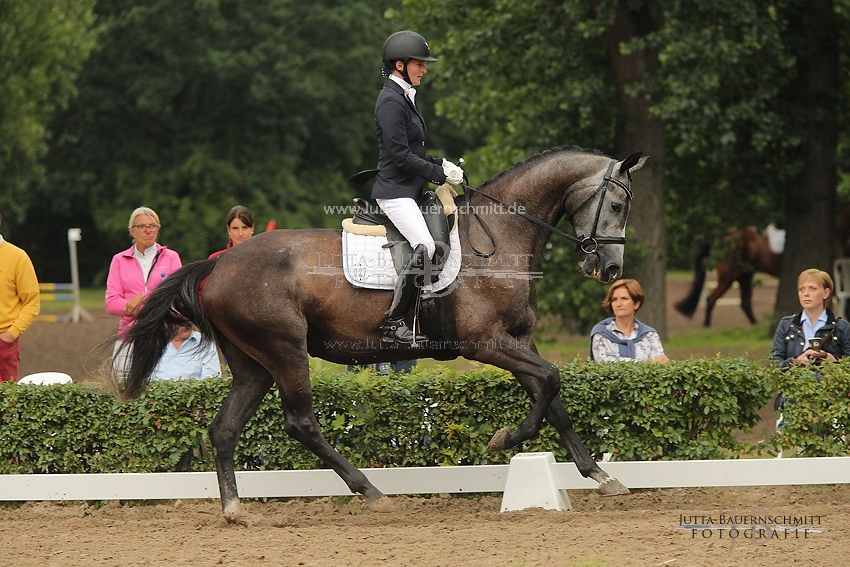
(626, 345)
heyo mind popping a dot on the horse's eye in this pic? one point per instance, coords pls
(617, 207)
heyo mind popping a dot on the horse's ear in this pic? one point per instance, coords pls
(633, 163)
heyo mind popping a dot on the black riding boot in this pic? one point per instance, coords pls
(406, 289)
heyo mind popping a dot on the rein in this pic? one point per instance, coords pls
(587, 244)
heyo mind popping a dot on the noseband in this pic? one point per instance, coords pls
(587, 244)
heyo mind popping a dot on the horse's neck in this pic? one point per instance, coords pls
(514, 234)
(539, 194)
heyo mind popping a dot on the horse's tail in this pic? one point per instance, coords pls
(172, 302)
(688, 305)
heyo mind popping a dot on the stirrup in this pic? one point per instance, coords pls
(397, 332)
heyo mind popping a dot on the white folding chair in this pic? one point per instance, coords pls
(841, 276)
(45, 378)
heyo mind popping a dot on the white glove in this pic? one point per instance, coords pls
(454, 174)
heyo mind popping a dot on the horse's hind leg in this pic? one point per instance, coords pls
(558, 417)
(300, 423)
(250, 384)
(745, 285)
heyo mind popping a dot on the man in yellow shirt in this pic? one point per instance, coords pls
(19, 304)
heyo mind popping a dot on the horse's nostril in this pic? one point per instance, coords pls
(613, 273)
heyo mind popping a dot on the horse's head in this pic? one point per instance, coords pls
(598, 211)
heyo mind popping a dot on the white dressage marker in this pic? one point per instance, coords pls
(531, 484)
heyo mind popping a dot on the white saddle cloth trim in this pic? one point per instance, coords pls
(366, 263)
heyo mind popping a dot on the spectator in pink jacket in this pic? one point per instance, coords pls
(136, 271)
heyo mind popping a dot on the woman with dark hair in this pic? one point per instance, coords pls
(240, 227)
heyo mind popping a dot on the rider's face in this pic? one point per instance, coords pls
(415, 70)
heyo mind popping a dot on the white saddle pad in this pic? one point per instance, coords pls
(366, 263)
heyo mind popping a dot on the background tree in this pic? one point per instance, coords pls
(728, 87)
(810, 198)
(43, 44)
(756, 128)
(638, 129)
(191, 108)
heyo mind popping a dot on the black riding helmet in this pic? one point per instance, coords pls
(404, 46)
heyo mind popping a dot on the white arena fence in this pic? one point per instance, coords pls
(424, 480)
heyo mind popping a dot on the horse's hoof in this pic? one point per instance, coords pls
(381, 504)
(233, 513)
(612, 487)
(499, 440)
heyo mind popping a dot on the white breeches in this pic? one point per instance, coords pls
(405, 214)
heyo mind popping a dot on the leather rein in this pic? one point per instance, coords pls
(587, 244)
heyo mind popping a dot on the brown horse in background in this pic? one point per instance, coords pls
(747, 252)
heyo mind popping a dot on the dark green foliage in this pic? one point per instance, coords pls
(191, 108)
(685, 410)
(43, 46)
(817, 413)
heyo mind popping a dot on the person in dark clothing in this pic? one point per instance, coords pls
(404, 168)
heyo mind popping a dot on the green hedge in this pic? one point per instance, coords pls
(684, 410)
(817, 413)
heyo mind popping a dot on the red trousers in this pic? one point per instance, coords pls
(10, 356)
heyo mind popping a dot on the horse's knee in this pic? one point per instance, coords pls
(301, 429)
(552, 379)
(222, 440)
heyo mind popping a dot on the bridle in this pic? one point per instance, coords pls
(587, 244)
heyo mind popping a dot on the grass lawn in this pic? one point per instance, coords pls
(752, 342)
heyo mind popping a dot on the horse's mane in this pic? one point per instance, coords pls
(531, 160)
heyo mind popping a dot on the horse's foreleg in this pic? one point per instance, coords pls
(558, 417)
(543, 391)
(726, 275)
(711, 300)
(241, 403)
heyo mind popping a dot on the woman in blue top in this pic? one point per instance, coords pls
(404, 168)
(623, 337)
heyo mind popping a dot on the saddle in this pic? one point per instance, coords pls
(439, 211)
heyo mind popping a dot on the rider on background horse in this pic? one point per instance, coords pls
(404, 169)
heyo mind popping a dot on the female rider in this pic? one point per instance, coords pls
(404, 168)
